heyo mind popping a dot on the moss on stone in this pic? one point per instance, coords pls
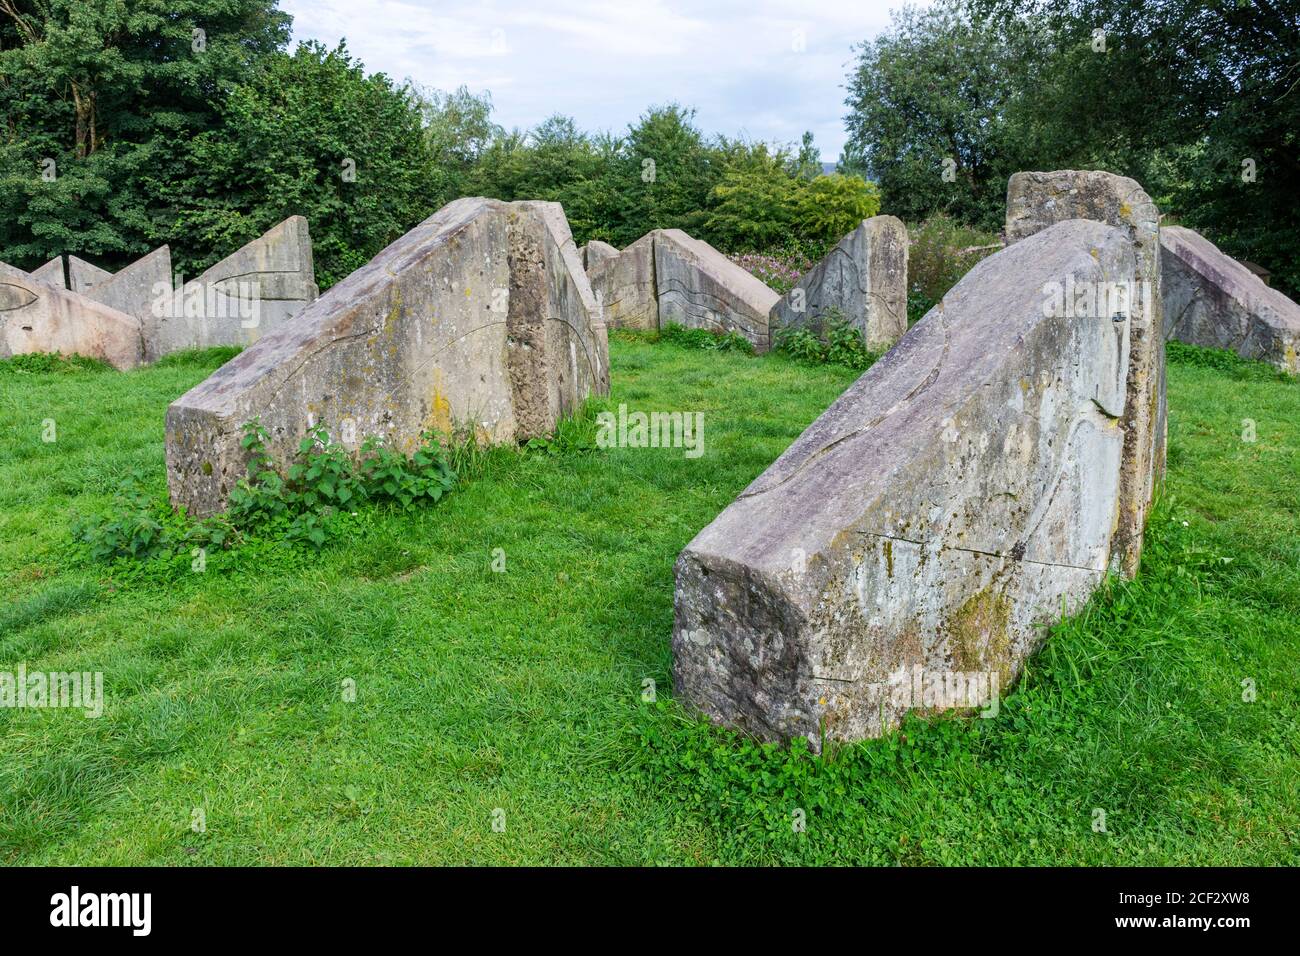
(978, 632)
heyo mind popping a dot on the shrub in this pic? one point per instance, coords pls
(942, 251)
(302, 503)
(709, 339)
(832, 206)
(780, 270)
(837, 343)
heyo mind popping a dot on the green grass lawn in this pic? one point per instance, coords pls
(522, 691)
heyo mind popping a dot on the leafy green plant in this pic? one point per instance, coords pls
(35, 363)
(1222, 360)
(303, 503)
(942, 252)
(132, 528)
(837, 343)
(707, 339)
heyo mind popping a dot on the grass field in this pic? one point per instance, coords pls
(521, 692)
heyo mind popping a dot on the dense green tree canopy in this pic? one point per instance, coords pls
(125, 124)
(1199, 100)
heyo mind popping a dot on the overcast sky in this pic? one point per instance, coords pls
(764, 69)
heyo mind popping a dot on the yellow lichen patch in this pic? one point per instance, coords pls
(1125, 211)
(977, 633)
(439, 417)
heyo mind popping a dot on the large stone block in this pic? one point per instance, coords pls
(699, 287)
(862, 281)
(84, 275)
(1037, 200)
(479, 317)
(596, 252)
(141, 289)
(38, 317)
(956, 499)
(52, 273)
(242, 298)
(624, 284)
(1213, 300)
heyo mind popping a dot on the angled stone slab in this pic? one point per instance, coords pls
(624, 284)
(700, 288)
(596, 252)
(862, 281)
(84, 276)
(38, 317)
(955, 499)
(480, 317)
(141, 289)
(241, 298)
(1037, 200)
(52, 273)
(1213, 300)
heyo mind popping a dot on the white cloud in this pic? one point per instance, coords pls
(766, 69)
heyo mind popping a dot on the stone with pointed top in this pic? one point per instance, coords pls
(1037, 200)
(700, 288)
(1213, 300)
(950, 504)
(480, 318)
(36, 316)
(861, 282)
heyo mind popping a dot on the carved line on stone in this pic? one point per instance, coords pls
(219, 284)
(586, 352)
(843, 253)
(930, 378)
(987, 554)
(405, 380)
(690, 300)
(17, 308)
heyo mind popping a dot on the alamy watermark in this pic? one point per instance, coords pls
(1085, 299)
(38, 690)
(945, 690)
(226, 299)
(651, 430)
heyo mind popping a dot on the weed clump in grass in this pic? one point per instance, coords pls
(837, 344)
(304, 503)
(39, 363)
(707, 339)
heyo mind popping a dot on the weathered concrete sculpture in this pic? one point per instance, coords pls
(52, 273)
(84, 276)
(700, 288)
(1213, 300)
(241, 298)
(862, 281)
(1037, 200)
(135, 290)
(481, 316)
(596, 252)
(956, 498)
(36, 316)
(624, 284)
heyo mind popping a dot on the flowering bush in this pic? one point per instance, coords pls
(780, 270)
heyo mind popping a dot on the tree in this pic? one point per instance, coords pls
(664, 174)
(290, 143)
(928, 102)
(103, 96)
(1199, 100)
